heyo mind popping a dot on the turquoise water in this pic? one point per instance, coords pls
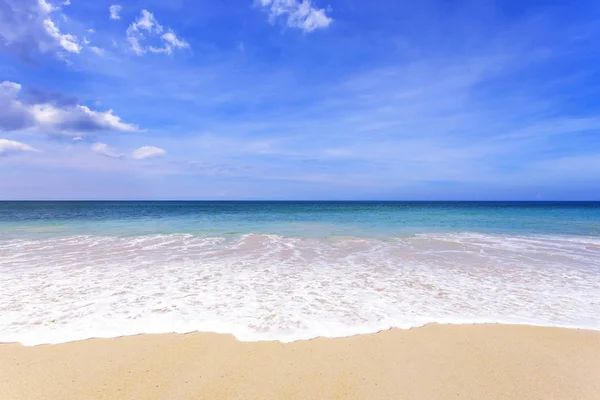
(305, 219)
(292, 270)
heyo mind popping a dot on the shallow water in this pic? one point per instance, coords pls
(290, 271)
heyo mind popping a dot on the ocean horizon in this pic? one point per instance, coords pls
(292, 270)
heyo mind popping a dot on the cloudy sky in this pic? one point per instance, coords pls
(290, 99)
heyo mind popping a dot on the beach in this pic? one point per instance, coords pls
(432, 362)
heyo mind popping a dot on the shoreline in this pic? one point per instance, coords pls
(285, 342)
(491, 361)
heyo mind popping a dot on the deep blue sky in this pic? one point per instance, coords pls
(278, 99)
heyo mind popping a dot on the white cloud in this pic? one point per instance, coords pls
(298, 14)
(62, 118)
(147, 26)
(13, 115)
(79, 117)
(174, 41)
(105, 150)
(136, 47)
(66, 41)
(27, 26)
(147, 22)
(8, 147)
(45, 7)
(147, 152)
(97, 50)
(114, 10)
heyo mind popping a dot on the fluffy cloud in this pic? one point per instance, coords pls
(147, 152)
(297, 14)
(13, 115)
(173, 41)
(66, 41)
(8, 147)
(105, 150)
(27, 26)
(147, 26)
(114, 11)
(62, 117)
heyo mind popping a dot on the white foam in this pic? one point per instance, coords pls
(267, 287)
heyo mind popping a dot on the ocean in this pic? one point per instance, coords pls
(292, 270)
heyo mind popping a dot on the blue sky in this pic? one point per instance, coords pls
(283, 99)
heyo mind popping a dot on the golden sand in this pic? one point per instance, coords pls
(435, 362)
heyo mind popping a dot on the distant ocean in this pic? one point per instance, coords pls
(292, 270)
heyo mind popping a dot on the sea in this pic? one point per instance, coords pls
(289, 271)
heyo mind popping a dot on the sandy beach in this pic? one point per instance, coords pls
(433, 362)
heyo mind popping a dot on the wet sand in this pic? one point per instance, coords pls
(433, 362)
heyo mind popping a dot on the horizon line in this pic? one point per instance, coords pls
(299, 200)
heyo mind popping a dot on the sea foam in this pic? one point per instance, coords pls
(269, 287)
